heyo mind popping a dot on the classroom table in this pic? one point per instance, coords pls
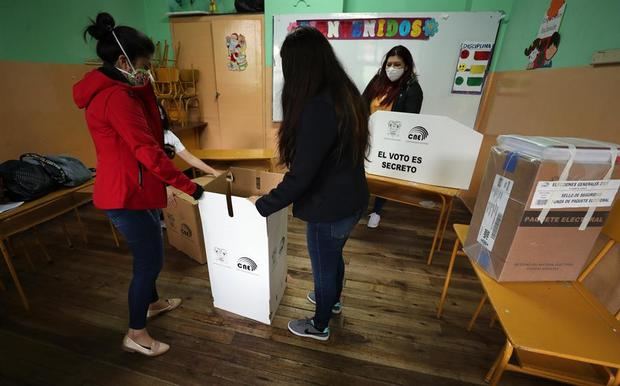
(557, 330)
(413, 193)
(249, 158)
(33, 213)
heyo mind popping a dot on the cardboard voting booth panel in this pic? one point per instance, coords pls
(428, 149)
(183, 225)
(246, 253)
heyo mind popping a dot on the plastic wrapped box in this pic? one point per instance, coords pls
(541, 205)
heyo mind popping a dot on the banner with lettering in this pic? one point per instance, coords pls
(421, 28)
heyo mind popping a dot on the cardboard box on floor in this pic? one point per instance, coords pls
(529, 175)
(246, 252)
(183, 225)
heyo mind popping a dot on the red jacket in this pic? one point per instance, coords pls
(124, 122)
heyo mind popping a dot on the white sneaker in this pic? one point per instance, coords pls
(373, 220)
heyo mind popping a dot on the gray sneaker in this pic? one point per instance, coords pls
(305, 328)
(336, 309)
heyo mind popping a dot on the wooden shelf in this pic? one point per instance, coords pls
(190, 126)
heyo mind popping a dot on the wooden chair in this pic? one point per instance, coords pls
(461, 234)
(188, 81)
(555, 330)
(168, 90)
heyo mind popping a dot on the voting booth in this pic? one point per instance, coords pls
(246, 253)
(428, 149)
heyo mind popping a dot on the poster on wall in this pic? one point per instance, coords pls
(237, 59)
(543, 48)
(472, 67)
(421, 28)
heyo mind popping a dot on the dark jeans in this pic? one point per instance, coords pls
(325, 244)
(142, 231)
(378, 206)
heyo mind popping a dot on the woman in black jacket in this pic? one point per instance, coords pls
(394, 88)
(323, 140)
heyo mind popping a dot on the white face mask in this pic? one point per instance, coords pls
(394, 74)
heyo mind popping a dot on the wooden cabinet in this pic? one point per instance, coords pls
(232, 102)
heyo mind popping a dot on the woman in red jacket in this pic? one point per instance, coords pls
(132, 167)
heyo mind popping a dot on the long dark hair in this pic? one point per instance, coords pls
(310, 67)
(135, 43)
(381, 85)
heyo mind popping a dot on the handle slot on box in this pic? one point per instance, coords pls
(230, 178)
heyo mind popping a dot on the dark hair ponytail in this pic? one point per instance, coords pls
(135, 43)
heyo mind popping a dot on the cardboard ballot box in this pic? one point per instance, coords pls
(541, 206)
(246, 253)
(183, 225)
(428, 149)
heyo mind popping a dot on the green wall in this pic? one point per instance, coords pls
(156, 18)
(273, 7)
(51, 31)
(587, 26)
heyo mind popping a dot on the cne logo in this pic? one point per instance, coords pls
(246, 264)
(418, 133)
(186, 231)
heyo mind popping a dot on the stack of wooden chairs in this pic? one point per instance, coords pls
(176, 89)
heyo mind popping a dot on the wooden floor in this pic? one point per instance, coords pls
(387, 334)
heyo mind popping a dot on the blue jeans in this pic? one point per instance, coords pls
(325, 244)
(142, 231)
(378, 206)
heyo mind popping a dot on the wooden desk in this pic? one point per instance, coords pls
(544, 321)
(558, 330)
(36, 212)
(233, 154)
(221, 159)
(413, 193)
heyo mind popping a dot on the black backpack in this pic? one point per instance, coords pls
(246, 6)
(24, 181)
(63, 169)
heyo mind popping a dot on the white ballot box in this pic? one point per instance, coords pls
(428, 149)
(246, 252)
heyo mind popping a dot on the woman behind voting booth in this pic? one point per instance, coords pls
(323, 139)
(394, 88)
(132, 168)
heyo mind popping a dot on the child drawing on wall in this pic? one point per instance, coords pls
(237, 60)
(552, 49)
